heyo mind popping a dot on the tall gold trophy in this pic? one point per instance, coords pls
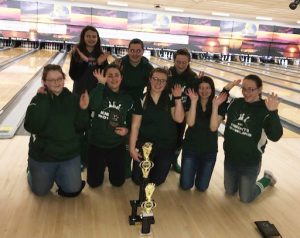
(148, 205)
(146, 165)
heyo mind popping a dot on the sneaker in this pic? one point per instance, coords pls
(268, 174)
(176, 167)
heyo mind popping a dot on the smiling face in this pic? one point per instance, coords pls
(114, 79)
(54, 82)
(204, 90)
(158, 82)
(181, 63)
(135, 53)
(90, 38)
(250, 91)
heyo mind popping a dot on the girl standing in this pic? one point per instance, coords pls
(86, 57)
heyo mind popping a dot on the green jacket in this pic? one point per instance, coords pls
(106, 106)
(135, 79)
(247, 128)
(54, 123)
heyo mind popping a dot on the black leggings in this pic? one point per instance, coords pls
(99, 158)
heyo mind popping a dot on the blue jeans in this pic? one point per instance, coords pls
(242, 179)
(66, 174)
(196, 169)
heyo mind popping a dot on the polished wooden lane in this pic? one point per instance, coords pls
(103, 212)
(285, 93)
(13, 78)
(282, 81)
(11, 53)
(266, 68)
(271, 75)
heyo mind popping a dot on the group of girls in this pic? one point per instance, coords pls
(103, 108)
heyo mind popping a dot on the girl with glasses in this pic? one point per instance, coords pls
(154, 120)
(251, 120)
(55, 117)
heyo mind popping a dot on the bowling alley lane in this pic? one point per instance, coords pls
(11, 53)
(277, 71)
(14, 77)
(268, 77)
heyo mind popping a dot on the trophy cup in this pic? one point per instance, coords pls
(146, 165)
(148, 205)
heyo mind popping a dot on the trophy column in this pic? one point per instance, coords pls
(146, 165)
(147, 206)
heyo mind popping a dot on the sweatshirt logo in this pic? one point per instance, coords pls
(112, 106)
(240, 124)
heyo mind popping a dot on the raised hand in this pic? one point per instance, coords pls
(201, 74)
(74, 49)
(101, 59)
(194, 96)
(99, 76)
(42, 90)
(121, 131)
(176, 90)
(82, 56)
(84, 100)
(272, 102)
(230, 85)
(218, 100)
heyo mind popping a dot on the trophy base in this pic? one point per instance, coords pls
(147, 221)
(133, 218)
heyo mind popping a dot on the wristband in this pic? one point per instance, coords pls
(177, 97)
(224, 90)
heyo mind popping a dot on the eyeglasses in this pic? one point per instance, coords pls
(248, 90)
(138, 51)
(58, 80)
(181, 62)
(158, 80)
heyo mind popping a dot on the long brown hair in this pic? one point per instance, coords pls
(82, 44)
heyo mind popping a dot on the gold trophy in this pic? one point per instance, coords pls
(146, 165)
(148, 205)
(147, 148)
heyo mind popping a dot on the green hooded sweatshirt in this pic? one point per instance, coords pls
(248, 127)
(55, 123)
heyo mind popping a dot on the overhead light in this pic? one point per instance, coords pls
(174, 9)
(298, 22)
(221, 14)
(264, 18)
(119, 4)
